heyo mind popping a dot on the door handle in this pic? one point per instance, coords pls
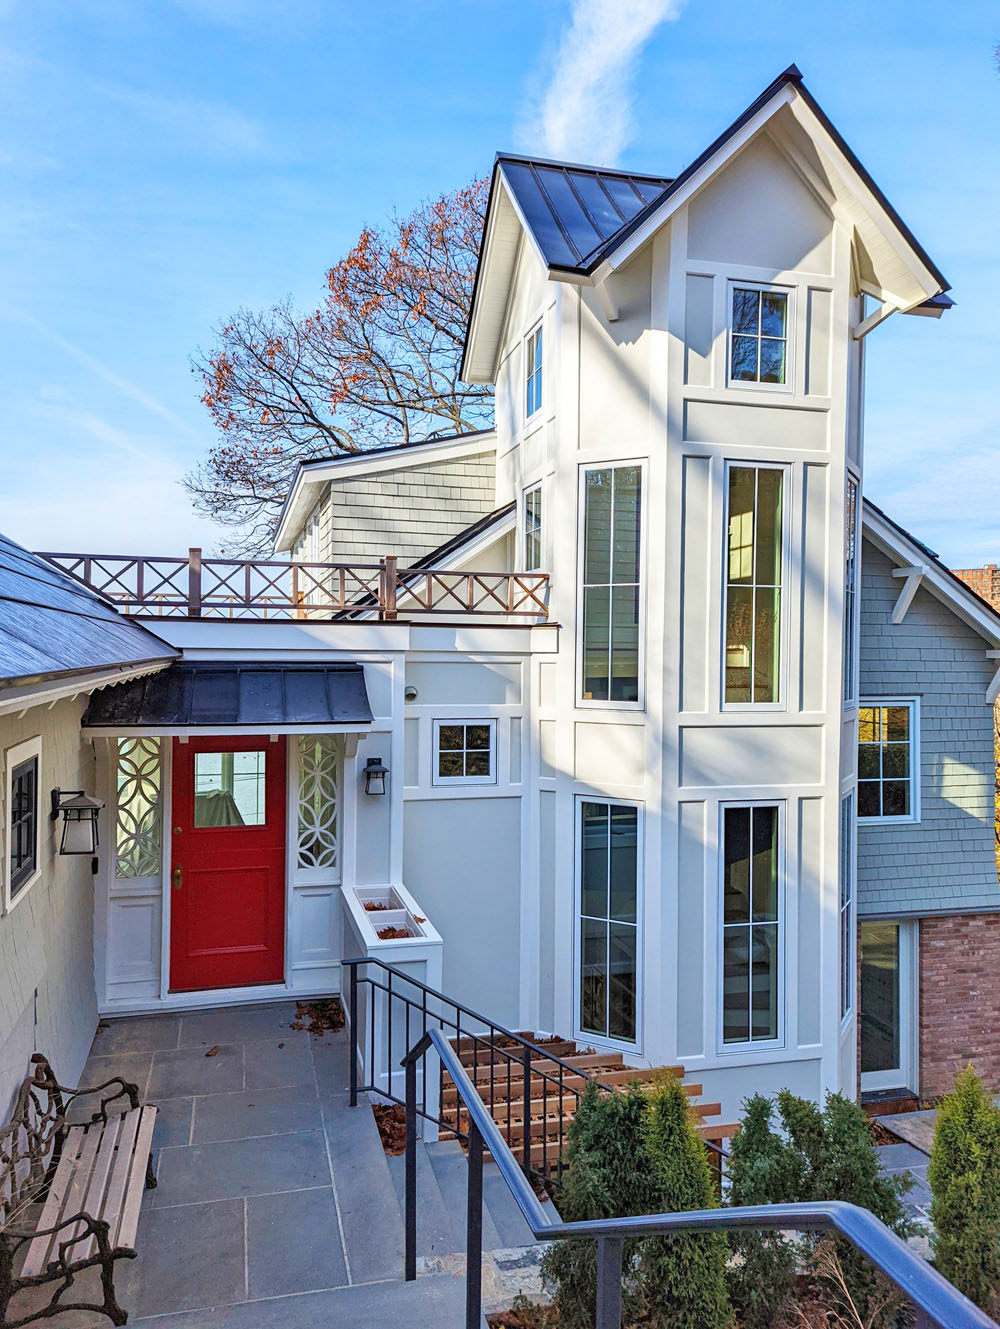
(178, 876)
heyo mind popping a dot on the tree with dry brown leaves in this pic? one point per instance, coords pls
(376, 363)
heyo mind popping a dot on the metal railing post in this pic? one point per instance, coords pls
(609, 1282)
(411, 1171)
(474, 1229)
(194, 583)
(526, 1112)
(355, 1043)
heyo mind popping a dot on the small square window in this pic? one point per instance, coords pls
(464, 752)
(759, 341)
(533, 375)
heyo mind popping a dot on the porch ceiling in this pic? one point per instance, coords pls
(213, 695)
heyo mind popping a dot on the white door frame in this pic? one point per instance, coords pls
(906, 1074)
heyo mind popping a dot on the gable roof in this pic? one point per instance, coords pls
(544, 202)
(52, 627)
(905, 550)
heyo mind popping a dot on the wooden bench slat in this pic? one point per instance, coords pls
(78, 1153)
(97, 1188)
(115, 1195)
(129, 1223)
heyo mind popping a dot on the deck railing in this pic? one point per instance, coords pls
(197, 587)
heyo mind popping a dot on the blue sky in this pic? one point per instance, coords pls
(166, 161)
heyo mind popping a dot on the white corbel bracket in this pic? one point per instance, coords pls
(914, 576)
(993, 691)
(862, 329)
(609, 306)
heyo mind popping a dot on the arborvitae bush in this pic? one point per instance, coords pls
(965, 1187)
(607, 1176)
(683, 1277)
(763, 1169)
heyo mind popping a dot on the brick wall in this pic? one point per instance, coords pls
(959, 999)
(984, 581)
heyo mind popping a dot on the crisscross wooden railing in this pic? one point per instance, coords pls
(196, 587)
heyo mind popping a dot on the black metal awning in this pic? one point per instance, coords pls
(210, 694)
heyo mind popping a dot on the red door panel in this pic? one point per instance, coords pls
(227, 897)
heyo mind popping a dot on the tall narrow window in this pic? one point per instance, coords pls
(846, 906)
(759, 351)
(887, 761)
(850, 589)
(753, 584)
(612, 499)
(750, 924)
(138, 844)
(23, 824)
(533, 528)
(533, 365)
(609, 923)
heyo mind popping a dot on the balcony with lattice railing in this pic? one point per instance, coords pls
(221, 588)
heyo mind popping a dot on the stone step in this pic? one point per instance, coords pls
(439, 1231)
(451, 1170)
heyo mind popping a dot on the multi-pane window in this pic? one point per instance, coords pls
(759, 348)
(850, 589)
(23, 824)
(750, 924)
(753, 584)
(846, 906)
(609, 921)
(465, 752)
(533, 376)
(612, 501)
(886, 749)
(533, 528)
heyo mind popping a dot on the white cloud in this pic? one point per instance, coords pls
(586, 110)
(211, 125)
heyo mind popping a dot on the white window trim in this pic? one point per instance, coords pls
(755, 1044)
(913, 817)
(590, 703)
(539, 487)
(535, 415)
(754, 385)
(585, 1036)
(15, 756)
(437, 779)
(906, 1075)
(852, 668)
(783, 620)
(848, 1009)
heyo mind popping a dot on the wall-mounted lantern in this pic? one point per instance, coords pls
(375, 773)
(79, 813)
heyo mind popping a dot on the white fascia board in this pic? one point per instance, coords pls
(505, 230)
(653, 223)
(952, 593)
(47, 694)
(215, 730)
(311, 475)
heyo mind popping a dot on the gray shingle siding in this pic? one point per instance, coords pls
(408, 511)
(944, 862)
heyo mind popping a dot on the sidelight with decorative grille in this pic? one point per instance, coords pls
(318, 765)
(138, 819)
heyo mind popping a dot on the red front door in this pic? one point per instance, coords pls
(227, 880)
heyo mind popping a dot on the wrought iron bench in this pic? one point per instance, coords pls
(88, 1180)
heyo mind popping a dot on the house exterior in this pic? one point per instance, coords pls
(611, 663)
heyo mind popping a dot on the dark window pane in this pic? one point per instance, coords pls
(624, 845)
(597, 528)
(869, 804)
(767, 616)
(767, 528)
(746, 310)
(868, 761)
(736, 985)
(477, 736)
(772, 361)
(879, 1015)
(739, 638)
(764, 995)
(625, 643)
(896, 722)
(622, 981)
(595, 835)
(896, 761)
(895, 798)
(477, 764)
(627, 497)
(596, 633)
(744, 366)
(450, 736)
(450, 765)
(593, 976)
(765, 864)
(773, 309)
(736, 865)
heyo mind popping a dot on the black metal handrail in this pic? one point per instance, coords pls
(430, 1007)
(936, 1301)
